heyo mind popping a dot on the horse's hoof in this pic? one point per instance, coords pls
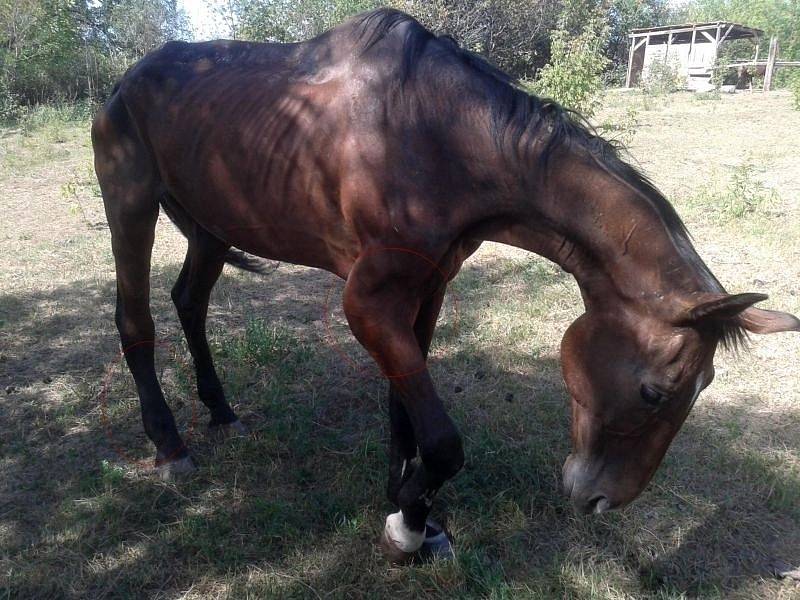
(170, 470)
(393, 554)
(436, 546)
(228, 430)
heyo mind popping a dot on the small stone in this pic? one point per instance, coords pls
(480, 374)
(458, 389)
(509, 397)
(47, 379)
(10, 389)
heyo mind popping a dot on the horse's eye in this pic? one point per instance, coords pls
(651, 395)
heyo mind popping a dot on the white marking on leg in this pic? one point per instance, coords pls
(403, 537)
(403, 469)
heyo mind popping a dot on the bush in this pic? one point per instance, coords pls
(794, 87)
(662, 77)
(574, 75)
(10, 109)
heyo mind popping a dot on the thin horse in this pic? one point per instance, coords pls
(379, 134)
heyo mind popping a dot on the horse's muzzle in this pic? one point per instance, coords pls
(581, 489)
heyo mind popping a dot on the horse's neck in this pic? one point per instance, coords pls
(614, 243)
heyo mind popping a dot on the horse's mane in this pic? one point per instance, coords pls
(526, 119)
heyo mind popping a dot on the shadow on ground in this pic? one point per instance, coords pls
(293, 509)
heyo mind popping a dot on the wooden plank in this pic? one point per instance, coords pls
(709, 37)
(631, 50)
(726, 34)
(678, 30)
(773, 54)
(716, 48)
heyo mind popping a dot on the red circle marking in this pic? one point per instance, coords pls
(326, 311)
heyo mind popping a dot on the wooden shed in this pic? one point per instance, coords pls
(692, 47)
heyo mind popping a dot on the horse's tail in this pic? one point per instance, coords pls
(234, 257)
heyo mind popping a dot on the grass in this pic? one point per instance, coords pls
(293, 510)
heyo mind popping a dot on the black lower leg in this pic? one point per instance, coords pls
(136, 334)
(402, 447)
(191, 294)
(437, 465)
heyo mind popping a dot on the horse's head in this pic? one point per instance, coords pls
(633, 378)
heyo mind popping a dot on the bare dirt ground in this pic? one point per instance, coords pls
(293, 510)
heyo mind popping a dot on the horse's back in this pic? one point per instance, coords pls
(281, 149)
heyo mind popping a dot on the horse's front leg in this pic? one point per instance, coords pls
(402, 443)
(382, 316)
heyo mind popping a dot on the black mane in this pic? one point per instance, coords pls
(525, 119)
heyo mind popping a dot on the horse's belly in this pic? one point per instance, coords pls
(285, 239)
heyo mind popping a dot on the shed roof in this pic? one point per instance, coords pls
(734, 30)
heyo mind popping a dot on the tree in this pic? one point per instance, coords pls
(573, 77)
(624, 16)
(135, 27)
(295, 20)
(54, 50)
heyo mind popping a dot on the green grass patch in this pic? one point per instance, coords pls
(744, 194)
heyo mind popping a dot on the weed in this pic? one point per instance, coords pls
(55, 117)
(264, 345)
(703, 97)
(112, 475)
(622, 129)
(82, 191)
(744, 195)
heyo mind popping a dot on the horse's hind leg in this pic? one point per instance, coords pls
(132, 245)
(130, 189)
(201, 269)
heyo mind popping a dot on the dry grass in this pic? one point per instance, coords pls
(293, 510)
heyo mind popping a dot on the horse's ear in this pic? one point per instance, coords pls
(723, 306)
(759, 320)
(740, 308)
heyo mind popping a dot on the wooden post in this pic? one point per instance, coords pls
(669, 45)
(691, 44)
(773, 54)
(630, 63)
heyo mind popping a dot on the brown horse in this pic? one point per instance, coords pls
(375, 135)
